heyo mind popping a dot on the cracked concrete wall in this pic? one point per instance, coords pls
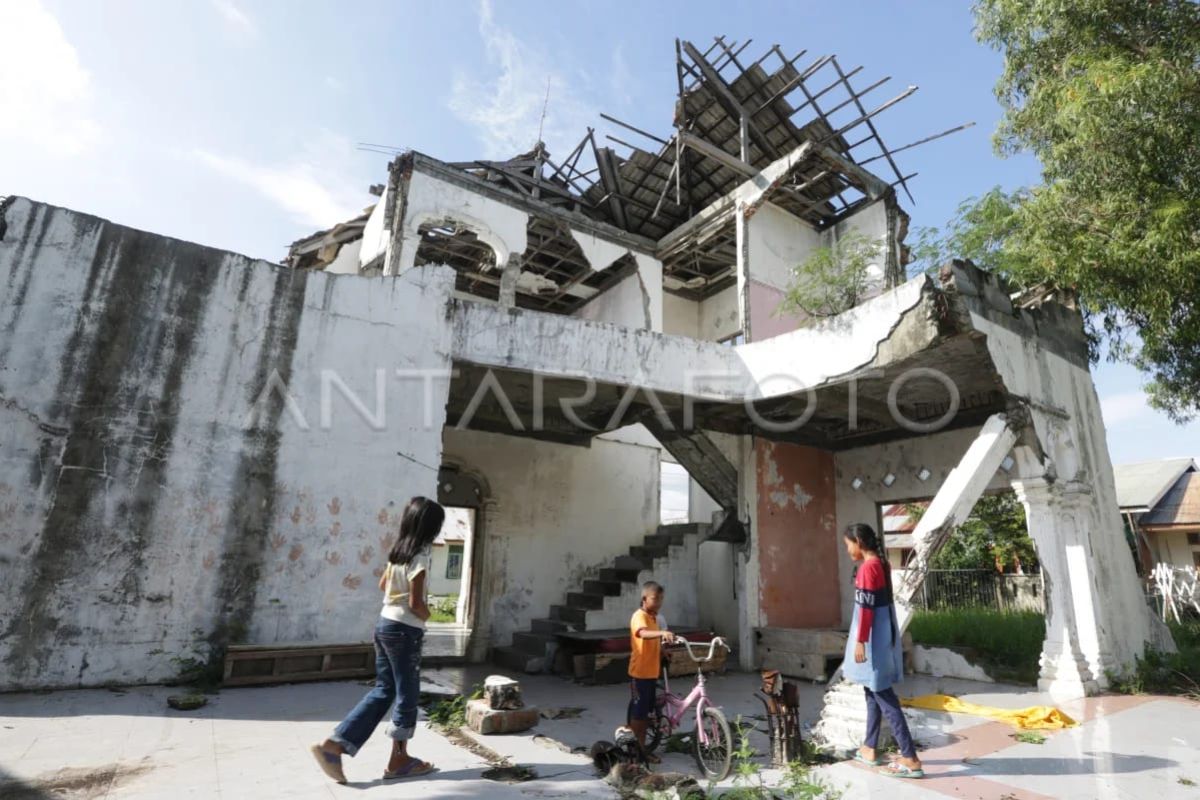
(147, 514)
(557, 513)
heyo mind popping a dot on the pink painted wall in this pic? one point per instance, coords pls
(797, 537)
(764, 323)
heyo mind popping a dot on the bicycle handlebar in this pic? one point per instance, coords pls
(720, 640)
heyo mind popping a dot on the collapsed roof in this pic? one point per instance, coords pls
(732, 119)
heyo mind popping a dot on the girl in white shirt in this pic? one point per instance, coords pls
(398, 637)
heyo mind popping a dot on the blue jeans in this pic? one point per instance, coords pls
(397, 686)
(885, 701)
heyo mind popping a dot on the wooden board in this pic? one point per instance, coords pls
(250, 665)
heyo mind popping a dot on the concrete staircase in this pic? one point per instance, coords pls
(605, 600)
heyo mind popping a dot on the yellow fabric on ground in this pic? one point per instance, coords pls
(1032, 718)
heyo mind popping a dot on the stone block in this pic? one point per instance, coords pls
(502, 693)
(484, 719)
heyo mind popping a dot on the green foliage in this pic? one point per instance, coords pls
(749, 783)
(994, 535)
(833, 279)
(1029, 737)
(1106, 94)
(1167, 673)
(1007, 644)
(451, 713)
(443, 609)
(202, 676)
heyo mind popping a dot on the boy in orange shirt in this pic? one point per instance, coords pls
(645, 660)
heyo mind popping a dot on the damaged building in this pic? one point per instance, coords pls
(228, 443)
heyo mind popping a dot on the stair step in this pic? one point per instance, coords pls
(682, 528)
(577, 616)
(585, 600)
(663, 539)
(647, 553)
(514, 659)
(602, 587)
(623, 575)
(547, 625)
(632, 563)
(532, 643)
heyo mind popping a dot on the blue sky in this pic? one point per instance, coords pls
(234, 122)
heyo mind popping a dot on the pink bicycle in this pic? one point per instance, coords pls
(712, 742)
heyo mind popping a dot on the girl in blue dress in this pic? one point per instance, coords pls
(874, 653)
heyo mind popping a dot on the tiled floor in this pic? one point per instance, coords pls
(252, 743)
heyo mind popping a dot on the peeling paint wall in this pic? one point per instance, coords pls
(146, 518)
(556, 514)
(795, 530)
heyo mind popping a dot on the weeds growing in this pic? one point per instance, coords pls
(1007, 644)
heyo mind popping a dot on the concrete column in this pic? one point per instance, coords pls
(508, 281)
(481, 620)
(1052, 513)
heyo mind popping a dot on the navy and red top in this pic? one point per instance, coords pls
(870, 592)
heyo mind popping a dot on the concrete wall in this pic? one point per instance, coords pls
(681, 316)
(776, 242)
(717, 588)
(720, 316)
(627, 303)
(438, 583)
(556, 514)
(796, 537)
(154, 517)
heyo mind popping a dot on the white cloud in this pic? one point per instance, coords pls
(301, 187)
(1121, 408)
(45, 93)
(505, 104)
(235, 19)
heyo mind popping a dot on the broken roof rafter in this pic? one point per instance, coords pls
(734, 117)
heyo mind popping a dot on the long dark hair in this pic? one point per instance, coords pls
(865, 537)
(419, 526)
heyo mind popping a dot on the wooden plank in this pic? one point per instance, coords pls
(803, 640)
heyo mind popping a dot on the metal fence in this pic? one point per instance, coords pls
(979, 588)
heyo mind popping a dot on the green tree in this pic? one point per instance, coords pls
(833, 279)
(994, 536)
(1106, 94)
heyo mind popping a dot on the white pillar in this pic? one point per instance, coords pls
(1053, 514)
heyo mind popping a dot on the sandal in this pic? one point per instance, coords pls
(858, 756)
(414, 768)
(898, 770)
(330, 763)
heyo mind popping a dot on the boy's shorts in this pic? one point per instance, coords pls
(643, 690)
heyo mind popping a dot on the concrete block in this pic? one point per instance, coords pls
(502, 693)
(484, 719)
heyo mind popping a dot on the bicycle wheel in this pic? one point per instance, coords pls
(714, 758)
(658, 727)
